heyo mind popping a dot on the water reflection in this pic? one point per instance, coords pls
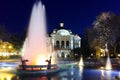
(69, 74)
(108, 74)
(119, 73)
(72, 73)
(8, 76)
(7, 70)
(80, 72)
(102, 75)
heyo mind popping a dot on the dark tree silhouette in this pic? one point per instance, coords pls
(4, 35)
(104, 30)
(16, 40)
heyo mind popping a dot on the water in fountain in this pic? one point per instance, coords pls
(35, 47)
(102, 74)
(108, 63)
(81, 62)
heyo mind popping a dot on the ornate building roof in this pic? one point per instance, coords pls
(63, 32)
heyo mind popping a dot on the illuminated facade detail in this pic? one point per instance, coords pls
(63, 32)
(6, 49)
(64, 41)
(61, 24)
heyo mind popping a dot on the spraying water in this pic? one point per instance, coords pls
(35, 46)
(81, 62)
(108, 63)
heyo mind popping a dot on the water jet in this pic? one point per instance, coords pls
(108, 62)
(36, 57)
(81, 62)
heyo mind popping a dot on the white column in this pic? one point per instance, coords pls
(71, 42)
(79, 42)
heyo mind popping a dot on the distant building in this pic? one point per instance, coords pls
(7, 49)
(64, 41)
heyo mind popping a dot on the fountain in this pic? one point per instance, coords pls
(81, 62)
(81, 67)
(108, 62)
(36, 55)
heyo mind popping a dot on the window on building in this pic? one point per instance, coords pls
(57, 44)
(62, 44)
(67, 44)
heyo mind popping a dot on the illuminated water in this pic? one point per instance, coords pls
(81, 62)
(35, 47)
(108, 64)
(73, 72)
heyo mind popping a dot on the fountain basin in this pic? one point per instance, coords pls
(37, 69)
(103, 68)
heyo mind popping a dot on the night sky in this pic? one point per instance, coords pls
(76, 14)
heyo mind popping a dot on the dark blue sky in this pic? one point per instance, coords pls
(76, 14)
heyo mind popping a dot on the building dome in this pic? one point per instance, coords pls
(63, 32)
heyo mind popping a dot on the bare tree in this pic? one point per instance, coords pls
(104, 30)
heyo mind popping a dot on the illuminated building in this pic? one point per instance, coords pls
(64, 41)
(6, 49)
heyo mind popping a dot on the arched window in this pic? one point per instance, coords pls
(62, 44)
(57, 44)
(67, 44)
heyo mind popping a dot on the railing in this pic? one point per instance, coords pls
(36, 67)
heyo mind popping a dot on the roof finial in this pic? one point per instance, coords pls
(61, 24)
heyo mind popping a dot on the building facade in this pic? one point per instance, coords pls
(64, 41)
(7, 49)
